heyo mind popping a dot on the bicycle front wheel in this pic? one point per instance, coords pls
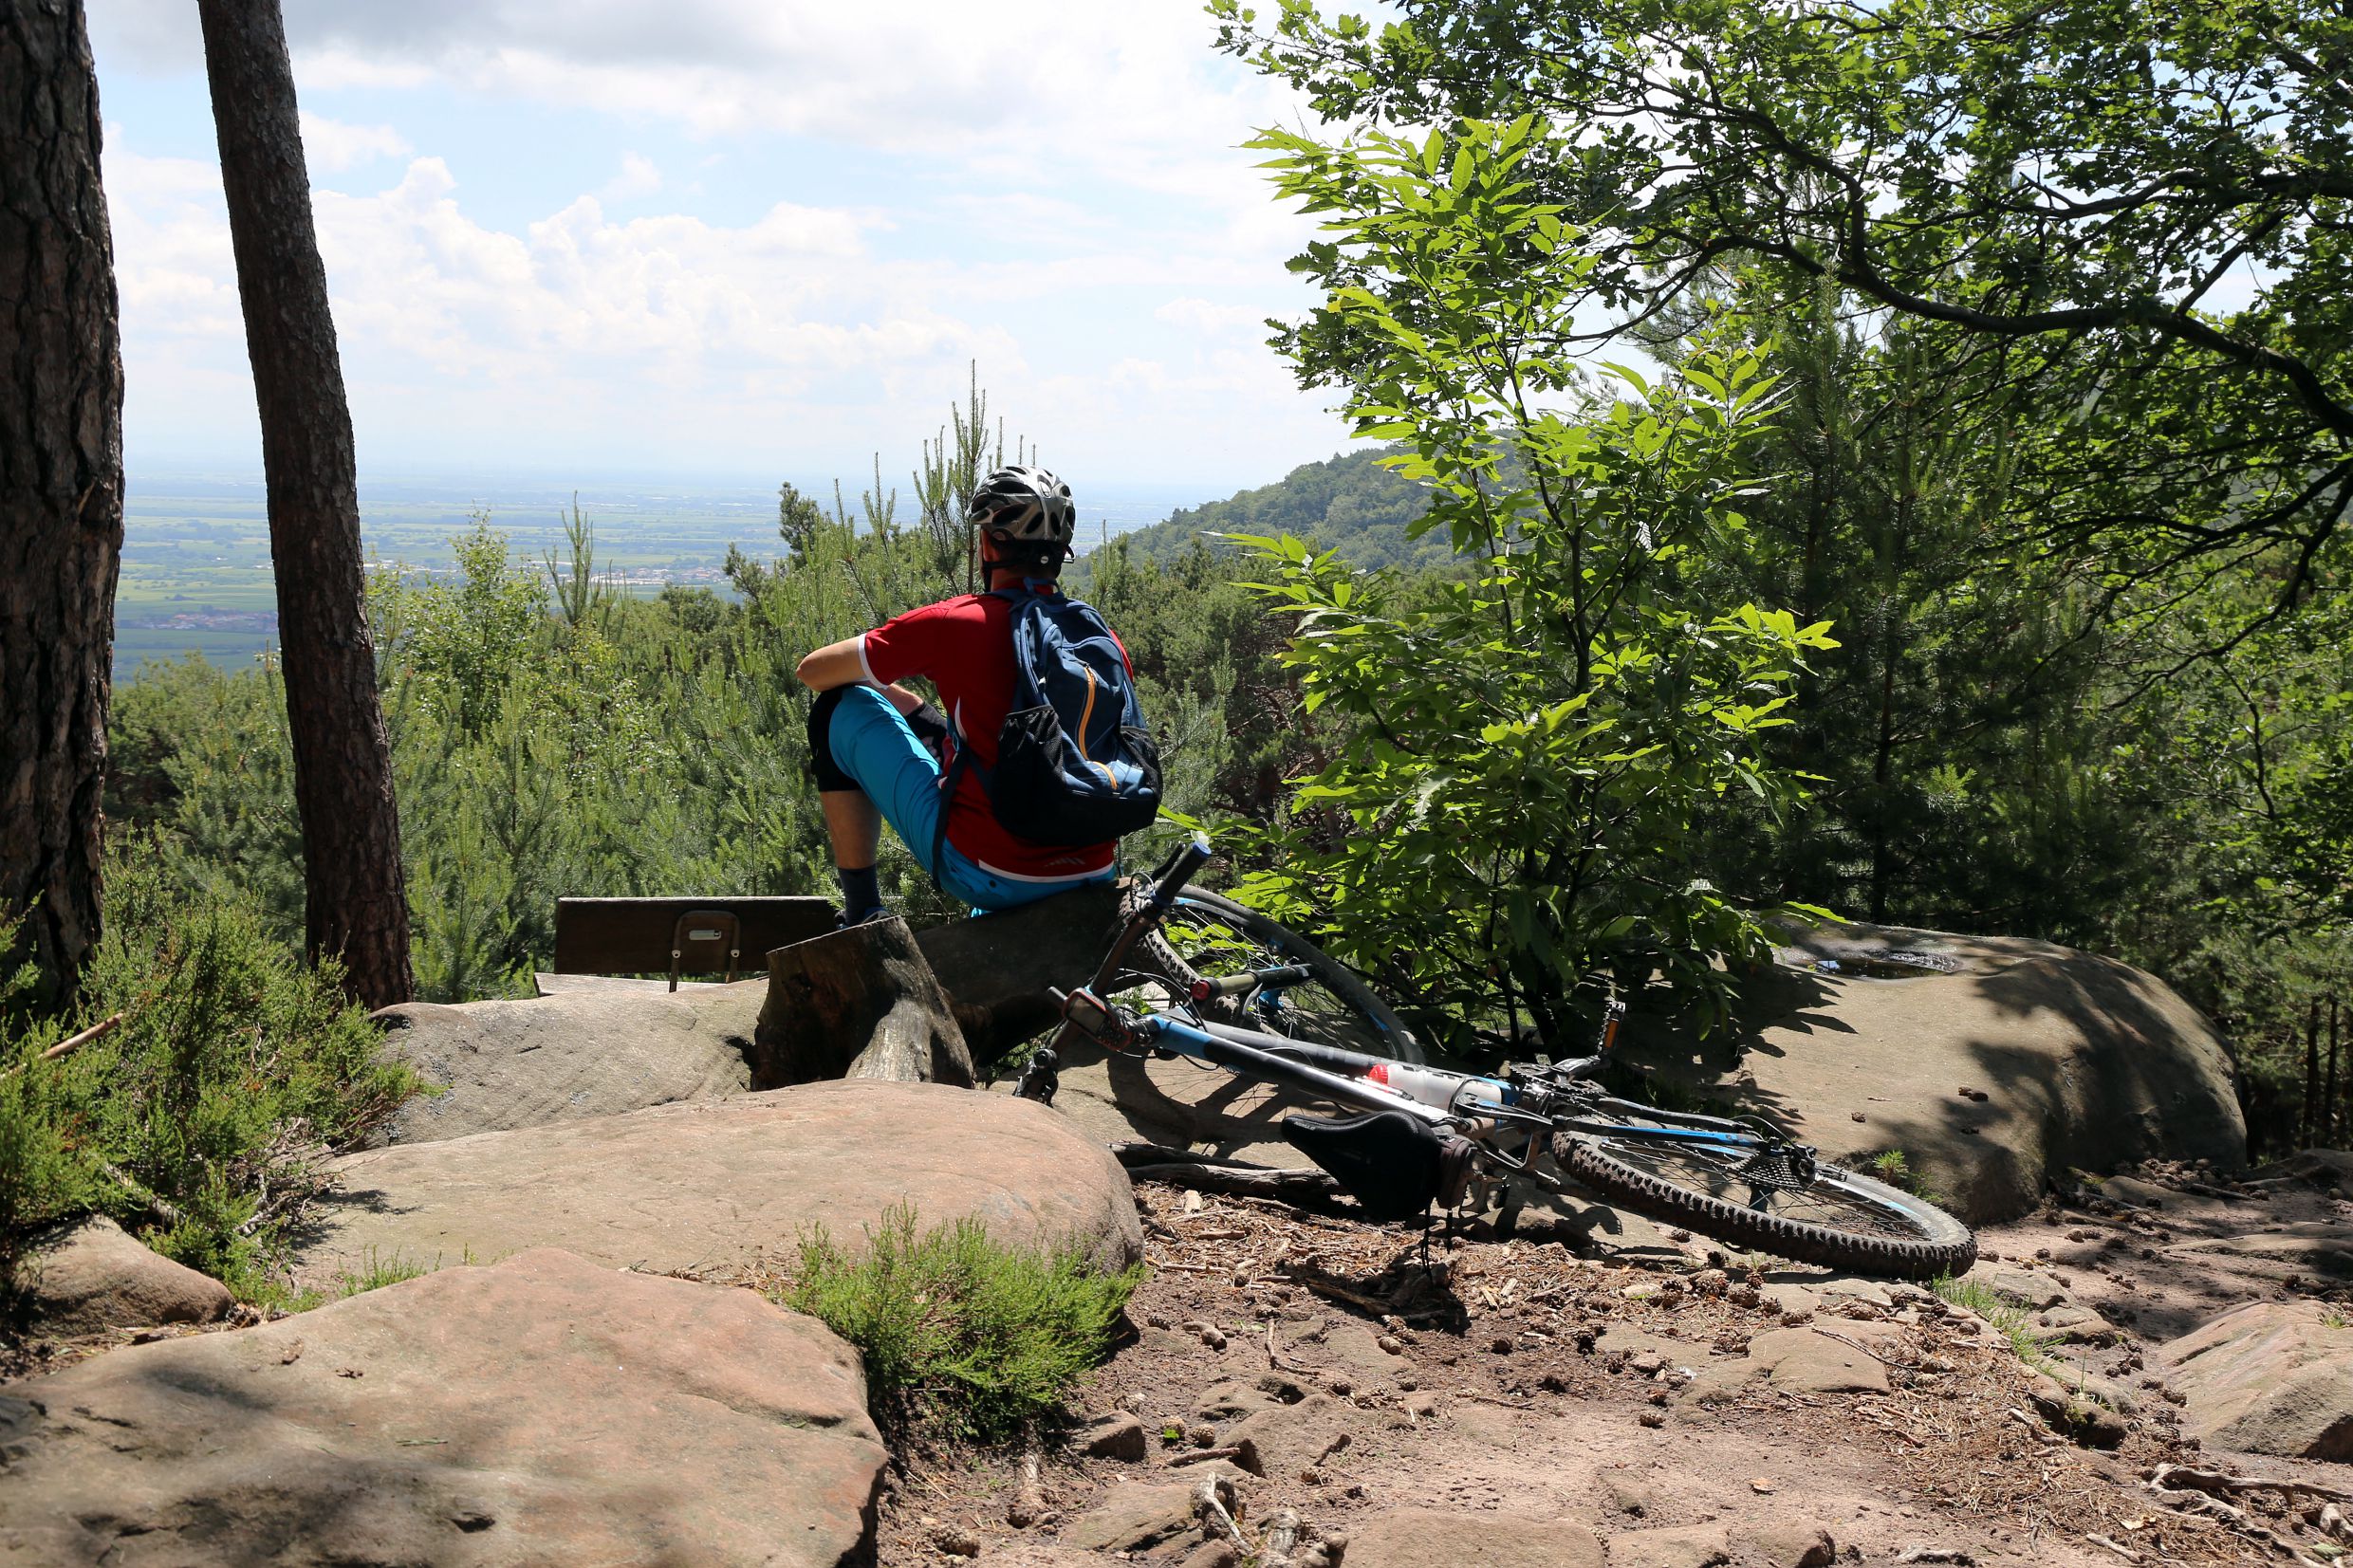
(1836, 1218)
(1210, 936)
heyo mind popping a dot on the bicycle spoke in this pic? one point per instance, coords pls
(1308, 1012)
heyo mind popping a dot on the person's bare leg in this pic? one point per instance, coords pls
(855, 825)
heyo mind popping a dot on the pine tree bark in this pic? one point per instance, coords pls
(60, 485)
(357, 898)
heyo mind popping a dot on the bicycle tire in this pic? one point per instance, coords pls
(1357, 1016)
(1919, 1241)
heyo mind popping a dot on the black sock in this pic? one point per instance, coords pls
(859, 892)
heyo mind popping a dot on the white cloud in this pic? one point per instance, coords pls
(1013, 89)
(1077, 154)
(638, 177)
(332, 146)
(656, 336)
(1210, 319)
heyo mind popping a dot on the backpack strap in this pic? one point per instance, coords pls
(953, 774)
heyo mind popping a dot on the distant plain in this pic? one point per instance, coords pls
(196, 555)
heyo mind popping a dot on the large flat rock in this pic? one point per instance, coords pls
(544, 1409)
(1180, 1103)
(2081, 1061)
(2271, 1377)
(708, 1186)
(586, 1051)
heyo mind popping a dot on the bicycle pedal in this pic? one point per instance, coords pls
(1039, 1080)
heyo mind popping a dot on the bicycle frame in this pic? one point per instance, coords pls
(1477, 1106)
(1480, 1109)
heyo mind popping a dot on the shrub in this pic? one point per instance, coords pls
(961, 1333)
(203, 1117)
(2011, 1321)
(1893, 1167)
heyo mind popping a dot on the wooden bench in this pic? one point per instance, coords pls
(679, 937)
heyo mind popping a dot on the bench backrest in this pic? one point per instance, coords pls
(677, 936)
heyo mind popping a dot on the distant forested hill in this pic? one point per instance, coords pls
(1348, 501)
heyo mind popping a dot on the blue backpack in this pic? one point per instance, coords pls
(1075, 763)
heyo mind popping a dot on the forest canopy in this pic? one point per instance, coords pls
(2119, 230)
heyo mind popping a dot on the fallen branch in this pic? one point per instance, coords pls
(157, 1209)
(2237, 1519)
(1132, 1152)
(1027, 1503)
(1288, 1186)
(2206, 1190)
(1843, 1339)
(69, 1044)
(2189, 1478)
(1202, 1456)
(1280, 1538)
(1216, 1518)
(1338, 1292)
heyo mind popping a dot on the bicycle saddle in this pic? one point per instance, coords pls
(1393, 1164)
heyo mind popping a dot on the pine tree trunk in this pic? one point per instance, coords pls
(357, 902)
(61, 487)
(2328, 1097)
(2332, 1070)
(2312, 1076)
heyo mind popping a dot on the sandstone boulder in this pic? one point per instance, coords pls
(2327, 1168)
(92, 1277)
(1426, 1538)
(1682, 1546)
(2273, 1377)
(1796, 1361)
(2311, 1250)
(1291, 1438)
(541, 1411)
(2068, 1060)
(1133, 1516)
(2017, 1285)
(707, 1186)
(584, 1051)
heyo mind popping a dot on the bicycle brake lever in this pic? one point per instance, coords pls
(1040, 1078)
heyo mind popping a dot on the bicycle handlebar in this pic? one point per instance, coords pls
(1180, 870)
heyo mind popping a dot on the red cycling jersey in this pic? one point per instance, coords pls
(964, 646)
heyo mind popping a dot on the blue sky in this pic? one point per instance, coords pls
(729, 240)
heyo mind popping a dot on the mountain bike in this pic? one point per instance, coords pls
(1234, 966)
(1424, 1137)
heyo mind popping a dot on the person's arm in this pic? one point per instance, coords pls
(842, 664)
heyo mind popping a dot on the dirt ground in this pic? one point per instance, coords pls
(1617, 1415)
(1615, 1396)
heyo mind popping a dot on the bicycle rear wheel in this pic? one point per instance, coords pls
(1837, 1219)
(1207, 936)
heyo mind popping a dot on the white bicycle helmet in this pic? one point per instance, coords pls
(1027, 508)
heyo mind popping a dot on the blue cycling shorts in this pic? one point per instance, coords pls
(873, 745)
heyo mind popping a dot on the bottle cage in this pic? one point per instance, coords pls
(1391, 1163)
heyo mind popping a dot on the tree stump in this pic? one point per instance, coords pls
(997, 969)
(859, 1003)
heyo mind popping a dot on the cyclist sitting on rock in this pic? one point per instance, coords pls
(1023, 788)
